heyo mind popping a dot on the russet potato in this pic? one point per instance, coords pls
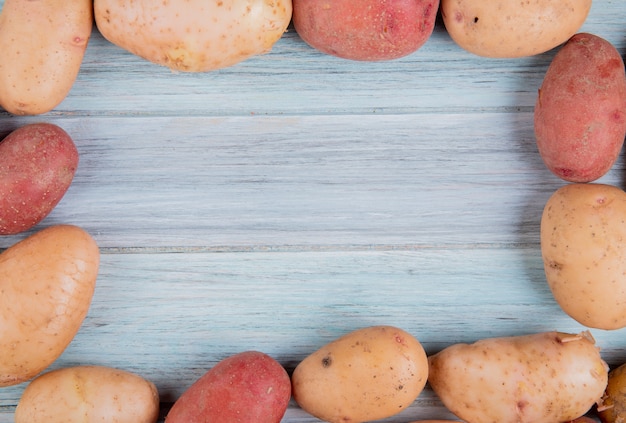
(537, 378)
(583, 246)
(193, 35)
(367, 374)
(88, 394)
(511, 29)
(47, 281)
(42, 45)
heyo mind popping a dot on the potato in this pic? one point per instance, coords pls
(541, 378)
(583, 245)
(196, 35)
(42, 45)
(246, 387)
(580, 112)
(370, 30)
(368, 374)
(47, 282)
(510, 29)
(88, 394)
(37, 165)
(612, 408)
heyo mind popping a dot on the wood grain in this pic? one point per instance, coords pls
(284, 201)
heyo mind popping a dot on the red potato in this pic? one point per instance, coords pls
(246, 387)
(370, 30)
(37, 165)
(580, 113)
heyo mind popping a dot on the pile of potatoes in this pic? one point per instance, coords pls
(47, 280)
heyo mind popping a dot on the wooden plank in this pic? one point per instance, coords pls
(170, 317)
(284, 201)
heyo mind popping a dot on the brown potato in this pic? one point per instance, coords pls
(37, 165)
(42, 45)
(47, 282)
(509, 29)
(88, 394)
(369, 30)
(193, 35)
(538, 378)
(368, 374)
(612, 408)
(580, 112)
(583, 245)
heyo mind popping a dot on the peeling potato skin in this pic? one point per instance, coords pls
(37, 166)
(368, 374)
(580, 111)
(583, 238)
(512, 29)
(88, 394)
(42, 45)
(47, 281)
(540, 378)
(193, 35)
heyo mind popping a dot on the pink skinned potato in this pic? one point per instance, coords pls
(580, 112)
(371, 30)
(37, 165)
(246, 387)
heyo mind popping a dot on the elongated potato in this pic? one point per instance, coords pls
(46, 284)
(368, 374)
(88, 394)
(540, 378)
(193, 35)
(42, 45)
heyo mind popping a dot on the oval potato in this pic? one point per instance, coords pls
(368, 374)
(88, 394)
(509, 29)
(540, 378)
(246, 387)
(369, 30)
(47, 282)
(580, 111)
(193, 35)
(42, 45)
(583, 246)
(37, 165)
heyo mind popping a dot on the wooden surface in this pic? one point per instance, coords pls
(282, 202)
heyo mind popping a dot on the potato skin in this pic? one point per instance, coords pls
(510, 29)
(371, 30)
(193, 35)
(246, 387)
(368, 374)
(42, 45)
(88, 393)
(541, 378)
(580, 112)
(37, 165)
(582, 233)
(47, 282)
(612, 408)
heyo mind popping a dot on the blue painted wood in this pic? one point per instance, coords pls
(282, 202)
